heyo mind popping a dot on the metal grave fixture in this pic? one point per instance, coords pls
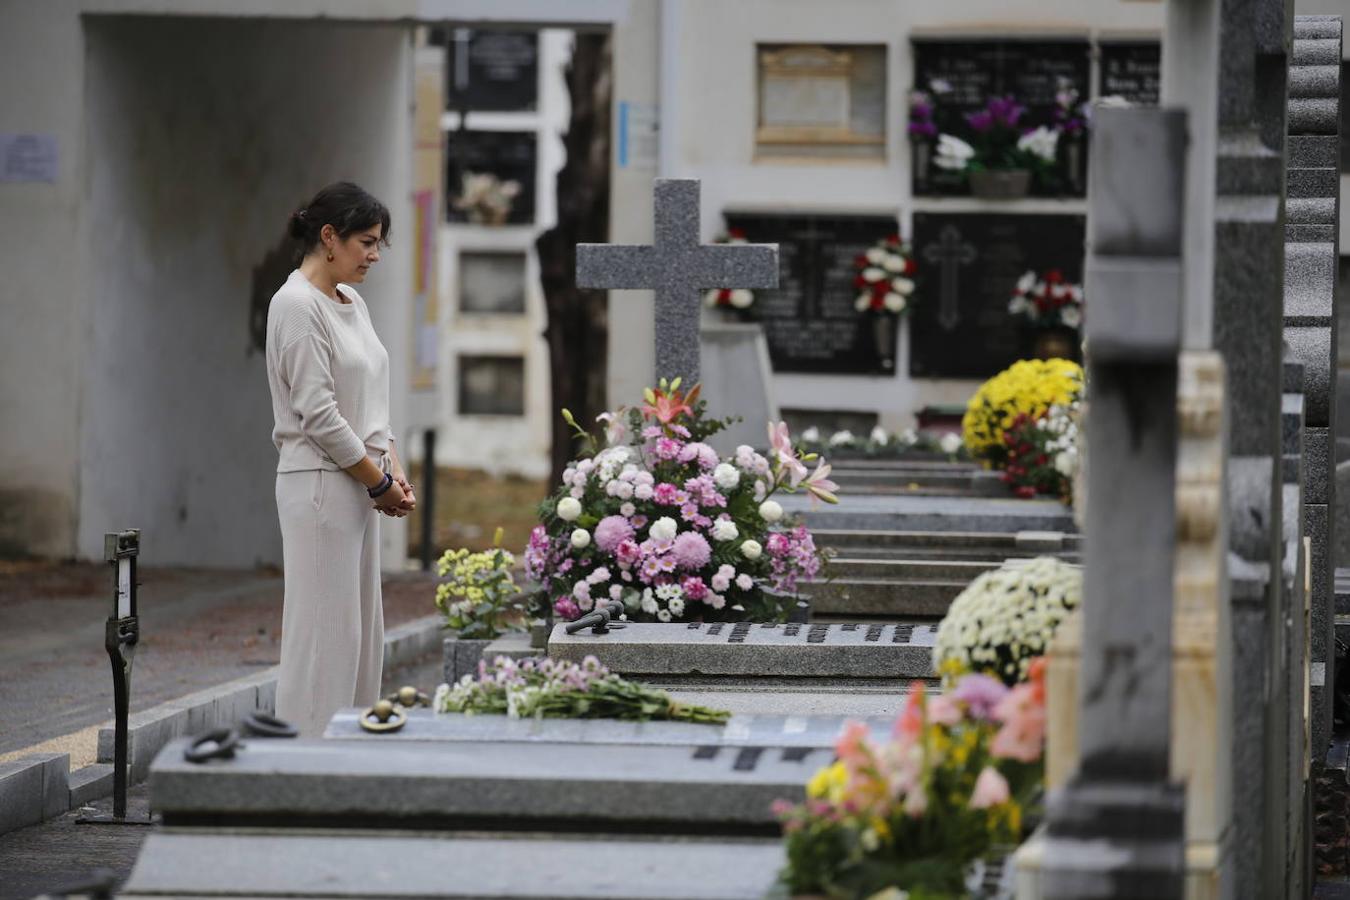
(679, 269)
(120, 637)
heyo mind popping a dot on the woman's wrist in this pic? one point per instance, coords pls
(382, 488)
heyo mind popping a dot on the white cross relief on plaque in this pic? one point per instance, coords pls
(950, 251)
(679, 269)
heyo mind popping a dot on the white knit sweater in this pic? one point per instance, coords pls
(329, 377)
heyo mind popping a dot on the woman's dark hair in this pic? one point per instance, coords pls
(343, 205)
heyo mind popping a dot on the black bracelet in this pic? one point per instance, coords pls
(382, 487)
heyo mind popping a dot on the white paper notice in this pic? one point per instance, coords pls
(123, 588)
(639, 135)
(28, 157)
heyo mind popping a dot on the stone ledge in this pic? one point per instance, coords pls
(33, 788)
(90, 783)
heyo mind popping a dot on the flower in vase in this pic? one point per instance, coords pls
(1041, 141)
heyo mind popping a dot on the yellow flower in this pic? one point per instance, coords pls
(1028, 387)
(829, 782)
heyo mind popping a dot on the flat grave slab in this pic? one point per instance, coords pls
(902, 512)
(876, 650)
(496, 786)
(329, 864)
(755, 730)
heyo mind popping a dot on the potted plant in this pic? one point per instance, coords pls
(480, 601)
(1053, 307)
(1001, 158)
(884, 278)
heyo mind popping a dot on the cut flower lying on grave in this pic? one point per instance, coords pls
(549, 689)
(659, 522)
(914, 813)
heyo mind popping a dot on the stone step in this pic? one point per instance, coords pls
(974, 483)
(1024, 541)
(906, 570)
(869, 597)
(413, 866)
(902, 512)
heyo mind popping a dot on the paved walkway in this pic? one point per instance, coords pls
(46, 857)
(199, 628)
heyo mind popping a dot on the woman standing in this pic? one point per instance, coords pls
(329, 378)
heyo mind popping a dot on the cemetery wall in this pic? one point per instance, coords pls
(710, 132)
(139, 304)
(188, 190)
(505, 443)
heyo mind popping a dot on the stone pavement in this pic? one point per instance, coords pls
(45, 857)
(199, 628)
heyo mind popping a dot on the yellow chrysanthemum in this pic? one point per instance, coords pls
(1030, 387)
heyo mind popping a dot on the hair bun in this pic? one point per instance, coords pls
(299, 225)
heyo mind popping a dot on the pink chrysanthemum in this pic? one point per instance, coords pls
(611, 532)
(694, 588)
(566, 608)
(691, 550)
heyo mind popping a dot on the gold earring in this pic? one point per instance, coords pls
(330, 255)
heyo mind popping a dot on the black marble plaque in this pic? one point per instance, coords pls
(970, 262)
(809, 321)
(490, 70)
(1133, 70)
(510, 155)
(961, 76)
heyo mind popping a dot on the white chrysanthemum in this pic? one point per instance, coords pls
(742, 298)
(950, 442)
(879, 435)
(569, 508)
(876, 256)
(902, 286)
(664, 529)
(893, 302)
(1008, 616)
(726, 476)
(872, 274)
(725, 530)
(581, 539)
(893, 262)
(771, 511)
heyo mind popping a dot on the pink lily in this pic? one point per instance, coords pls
(780, 446)
(819, 486)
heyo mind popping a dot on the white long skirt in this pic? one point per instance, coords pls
(332, 624)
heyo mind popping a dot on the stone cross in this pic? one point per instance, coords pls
(950, 252)
(679, 269)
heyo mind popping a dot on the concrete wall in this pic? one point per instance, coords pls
(708, 83)
(190, 181)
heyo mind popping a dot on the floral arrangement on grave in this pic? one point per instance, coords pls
(921, 108)
(478, 595)
(1006, 618)
(881, 443)
(1028, 387)
(1047, 301)
(485, 198)
(919, 812)
(998, 143)
(884, 277)
(739, 299)
(659, 522)
(1042, 452)
(543, 688)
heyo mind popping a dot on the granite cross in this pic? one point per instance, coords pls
(679, 269)
(951, 252)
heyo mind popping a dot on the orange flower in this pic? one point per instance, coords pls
(667, 406)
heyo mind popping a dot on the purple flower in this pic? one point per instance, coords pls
(691, 551)
(566, 607)
(611, 532)
(980, 693)
(981, 121)
(923, 129)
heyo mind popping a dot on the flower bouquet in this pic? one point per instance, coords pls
(1006, 618)
(1028, 387)
(1043, 452)
(1047, 302)
(738, 299)
(1001, 157)
(549, 689)
(915, 813)
(659, 522)
(479, 596)
(486, 199)
(884, 277)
